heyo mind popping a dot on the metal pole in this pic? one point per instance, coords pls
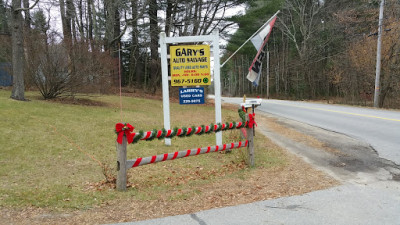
(378, 58)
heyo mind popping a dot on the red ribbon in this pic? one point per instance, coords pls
(124, 129)
(252, 121)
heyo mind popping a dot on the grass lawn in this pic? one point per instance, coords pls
(52, 153)
(54, 156)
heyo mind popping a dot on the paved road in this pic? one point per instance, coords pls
(343, 205)
(365, 201)
(379, 128)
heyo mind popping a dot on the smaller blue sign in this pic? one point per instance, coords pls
(191, 95)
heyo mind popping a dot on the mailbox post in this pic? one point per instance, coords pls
(251, 103)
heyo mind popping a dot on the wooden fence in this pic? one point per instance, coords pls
(125, 136)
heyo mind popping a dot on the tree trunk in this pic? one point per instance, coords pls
(134, 67)
(154, 67)
(27, 19)
(96, 35)
(110, 16)
(66, 25)
(168, 18)
(80, 22)
(18, 90)
(71, 15)
(117, 31)
(196, 16)
(91, 14)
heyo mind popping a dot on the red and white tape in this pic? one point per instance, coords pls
(182, 154)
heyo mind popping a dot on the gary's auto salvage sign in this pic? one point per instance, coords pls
(190, 65)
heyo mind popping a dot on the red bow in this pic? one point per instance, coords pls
(252, 121)
(124, 129)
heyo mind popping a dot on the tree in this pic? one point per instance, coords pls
(5, 42)
(3, 18)
(182, 18)
(135, 47)
(198, 17)
(18, 90)
(154, 32)
(235, 71)
(359, 83)
(17, 39)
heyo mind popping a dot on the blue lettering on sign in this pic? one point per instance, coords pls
(191, 96)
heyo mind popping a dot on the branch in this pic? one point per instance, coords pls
(123, 31)
(26, 9)
(226, 26)
(119, 36)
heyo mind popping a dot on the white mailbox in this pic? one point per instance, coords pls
(249, 103)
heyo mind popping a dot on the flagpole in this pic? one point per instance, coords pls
(250, 38)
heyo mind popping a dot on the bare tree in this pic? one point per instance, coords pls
(299, 26)
(197, 17)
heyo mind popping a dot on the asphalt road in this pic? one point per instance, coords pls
(379, 128)
(343, 205)
(370, 190)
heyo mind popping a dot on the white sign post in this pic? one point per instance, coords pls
(214, 38)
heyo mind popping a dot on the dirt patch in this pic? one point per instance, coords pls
(297, 136)
(140, 93)
(345, 158)
(75, 101)
(295, 177)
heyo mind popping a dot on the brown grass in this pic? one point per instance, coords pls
(297, 136)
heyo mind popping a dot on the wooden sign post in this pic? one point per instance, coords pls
(121, 165)
(250, 146)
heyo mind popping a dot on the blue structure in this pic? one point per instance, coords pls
(191, 95)
(5, 76)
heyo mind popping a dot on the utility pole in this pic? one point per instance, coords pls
(378, 57)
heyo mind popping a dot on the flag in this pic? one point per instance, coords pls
(259, 41)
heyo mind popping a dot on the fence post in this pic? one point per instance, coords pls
(121, 165)
(250, 146)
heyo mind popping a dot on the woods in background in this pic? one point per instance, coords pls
(319, 49)
(97, 35)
